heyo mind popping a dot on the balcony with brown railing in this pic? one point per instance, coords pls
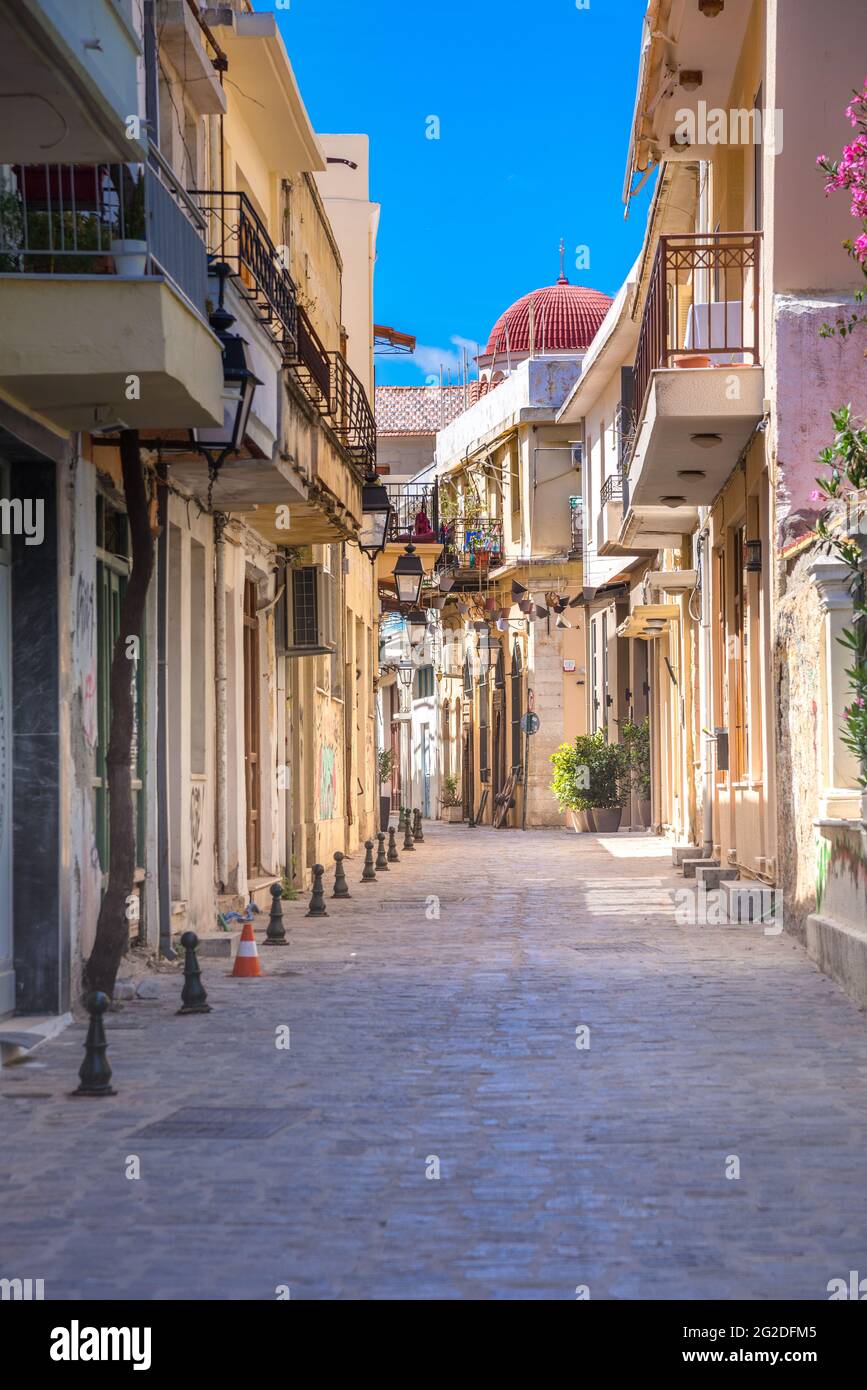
(237, 235)
(698, 383)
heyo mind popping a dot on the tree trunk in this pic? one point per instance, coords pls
(112, 927)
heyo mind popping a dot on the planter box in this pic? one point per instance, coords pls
(582, 821)
(607, 821)
(452, 815)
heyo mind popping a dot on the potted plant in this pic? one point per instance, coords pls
(609, 781)
(450, 801)
(636, 744)
(386, 764)
(571, 783)
(130, 251)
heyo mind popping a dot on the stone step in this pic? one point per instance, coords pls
(689, 866)
(749, 902)
(712, 875)
(681, 852)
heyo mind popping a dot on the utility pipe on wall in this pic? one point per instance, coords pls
(220, 693)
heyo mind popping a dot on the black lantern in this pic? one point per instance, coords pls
(753, 560)
(375, 515)
(416, 621)
(239, 386)
(405, 673)
(408, 575)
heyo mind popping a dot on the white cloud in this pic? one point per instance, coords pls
(430, 359)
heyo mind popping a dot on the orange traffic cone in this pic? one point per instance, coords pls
(247, 960)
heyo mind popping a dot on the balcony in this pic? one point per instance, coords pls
(237, 236)
(699, 383)
(118, 248)
(472, 547)
(351, 416)
(415, 517)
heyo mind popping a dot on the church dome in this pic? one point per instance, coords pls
(566, 318)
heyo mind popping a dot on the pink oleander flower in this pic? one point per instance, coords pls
(816, 495)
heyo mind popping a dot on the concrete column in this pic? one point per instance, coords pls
(840, 796)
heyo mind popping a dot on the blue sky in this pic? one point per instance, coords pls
(534, 101)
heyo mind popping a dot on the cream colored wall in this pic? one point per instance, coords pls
(345, 193)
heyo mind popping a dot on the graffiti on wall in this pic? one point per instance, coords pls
(196, 799)
(327, 781)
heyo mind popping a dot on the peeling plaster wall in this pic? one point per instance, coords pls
(80, 700)
(833, 368)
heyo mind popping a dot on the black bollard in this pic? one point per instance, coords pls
(341, 887)
(393, 857)
(407, 833)
(95, 1073)
(401, 820)
(276, 933)
(369, 872)
(381, 860)
(317, 906)
(418, 829)
(194, 996)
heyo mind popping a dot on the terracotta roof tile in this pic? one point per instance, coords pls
(419, 409)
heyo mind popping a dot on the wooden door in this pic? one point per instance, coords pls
(252, 767)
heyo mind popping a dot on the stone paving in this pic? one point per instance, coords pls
(417, 1037)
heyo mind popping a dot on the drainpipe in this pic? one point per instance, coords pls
(164, 887)
(220, 692)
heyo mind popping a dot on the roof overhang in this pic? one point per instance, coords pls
(648, 620)
(265, 93)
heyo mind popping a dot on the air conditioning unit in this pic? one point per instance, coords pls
(308, 613)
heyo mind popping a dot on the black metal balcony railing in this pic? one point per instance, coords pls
(472, 544)
(351, 414)
(311, 365)
(702, 305)
(576, 525)
(70, 219)
(612, 489)
(411, 506)
(238, 236)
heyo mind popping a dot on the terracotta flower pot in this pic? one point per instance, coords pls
(607, 821)
(580, 821)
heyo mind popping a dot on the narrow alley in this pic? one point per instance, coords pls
(436, 1024)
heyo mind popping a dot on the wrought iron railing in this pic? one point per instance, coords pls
(79, 219)
(612, 489)
(475, 543)
(702, 305)
(311, 365)
(238, 236)
(412, 507)
(351, 414)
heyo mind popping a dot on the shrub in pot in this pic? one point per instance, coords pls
(609, 781)
(450, 801)
(570, 783)
(130, 251)
(636, 744)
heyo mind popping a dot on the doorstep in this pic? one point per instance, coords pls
(22, 1034)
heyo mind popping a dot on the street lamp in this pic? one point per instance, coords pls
(416, 621)
(405, 673)
(239, 386)
(376, 512)
(408, 576)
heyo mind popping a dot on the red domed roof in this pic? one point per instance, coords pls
(566, 318)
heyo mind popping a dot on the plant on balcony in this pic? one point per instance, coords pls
(130, 250)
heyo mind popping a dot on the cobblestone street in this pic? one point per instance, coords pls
(414, 1036)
